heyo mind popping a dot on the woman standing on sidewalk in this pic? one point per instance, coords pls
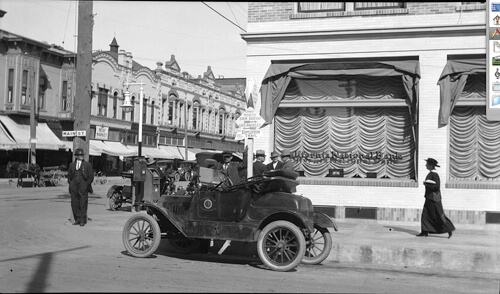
(433, 220)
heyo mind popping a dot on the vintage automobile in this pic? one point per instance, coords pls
(284, 226)
(156, 183)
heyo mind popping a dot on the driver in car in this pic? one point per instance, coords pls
(232, 168)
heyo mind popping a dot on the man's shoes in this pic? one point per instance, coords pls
(423, 234)
(450, 234)
(82, 224)
(76, 223)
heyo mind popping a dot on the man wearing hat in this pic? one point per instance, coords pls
(288, 164)
(276, 163)
(80, 177)
(232, 169)
(258, 166)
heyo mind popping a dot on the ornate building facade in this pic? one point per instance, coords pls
(181, 114)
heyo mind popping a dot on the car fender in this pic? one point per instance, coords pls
(324, 221)
(287, 215)
(114, 188)
(167, 219)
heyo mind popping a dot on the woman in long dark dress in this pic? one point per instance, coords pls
(434, 221)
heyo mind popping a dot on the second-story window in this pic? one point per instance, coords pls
(10, 91)
(144, 110)
(102, 102)
(170, 112)
(195, 117)
(64, 96)
(24, 88)
(115, 103)
(43, 84)
(132, 112)
(221, 122)
(152, 112)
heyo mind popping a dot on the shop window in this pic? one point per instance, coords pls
(102, 102)
(369, 134)
(64, 96)
(10, 90)
(24, 88)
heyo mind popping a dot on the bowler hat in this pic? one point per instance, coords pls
(432, 162)
(260, 152)
(274, 154)
(79, 151)
(285, 152)
(225, 152)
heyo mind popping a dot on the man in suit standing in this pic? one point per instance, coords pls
(80, 177)
(258, 166)
(288, 165)
(276, 163)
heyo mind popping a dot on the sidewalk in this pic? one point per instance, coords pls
(394, 244)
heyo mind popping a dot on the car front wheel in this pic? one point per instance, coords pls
(281, 246)
(141, 235)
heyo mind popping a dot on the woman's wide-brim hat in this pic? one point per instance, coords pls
(432, 161)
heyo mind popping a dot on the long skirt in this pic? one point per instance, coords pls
(434, 221)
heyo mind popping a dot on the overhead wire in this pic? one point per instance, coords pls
(224, 17)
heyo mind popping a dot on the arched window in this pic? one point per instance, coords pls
(43, 84)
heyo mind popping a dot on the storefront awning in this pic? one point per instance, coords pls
(6, 141)
(452, 82)
(172, 152)
(45, 138)
(152, 152)
(109, 147)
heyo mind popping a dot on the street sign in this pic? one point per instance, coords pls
(249, 123)
(74, 133)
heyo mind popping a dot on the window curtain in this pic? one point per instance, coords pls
(356, 139)
(474, 145)
(452, 82)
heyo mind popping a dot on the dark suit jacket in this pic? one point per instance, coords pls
(278, 166)
(259, 168)
(87, 174)
(234, 170)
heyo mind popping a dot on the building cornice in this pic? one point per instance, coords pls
(365, 33)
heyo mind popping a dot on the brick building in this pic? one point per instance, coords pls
(363, 92)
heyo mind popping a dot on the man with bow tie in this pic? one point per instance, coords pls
(80, 177)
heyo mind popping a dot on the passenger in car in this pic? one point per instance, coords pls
(258, 166)
(231, 168)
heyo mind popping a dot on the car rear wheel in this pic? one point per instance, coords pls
(115, 201)
(318, 246)
(281, 246)
(141, 235)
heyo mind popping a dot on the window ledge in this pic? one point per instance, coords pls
(472, 185)
(469, 7)
(349, 13)
(357, 182)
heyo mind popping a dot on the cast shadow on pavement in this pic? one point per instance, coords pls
(396, 229)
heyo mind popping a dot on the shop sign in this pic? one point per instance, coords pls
(101, 133)
(346, 157)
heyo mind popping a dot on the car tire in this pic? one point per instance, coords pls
(141, 235)
(115, 201)
(281, 246)
(318, 247)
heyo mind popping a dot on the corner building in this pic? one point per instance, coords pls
(362, 92)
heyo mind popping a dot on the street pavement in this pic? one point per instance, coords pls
(472, 248)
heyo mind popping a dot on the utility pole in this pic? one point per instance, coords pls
(83, 95)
